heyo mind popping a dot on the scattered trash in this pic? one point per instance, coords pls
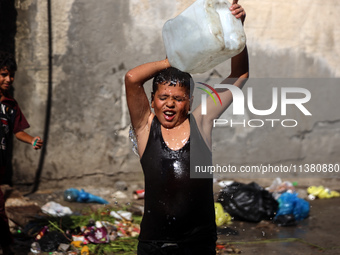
(56, 209)
(74, 195)
(85, 251)
(226, 248)
(97, 234)
(222, 184)
(41, 233)
(321, 192)
(103, 230)
(118, 194)
(278, 187)
(63, 247)
(121, 215)
(291, 209)
(77, 244)
(35, 247)
(139, 194)
(78, 239)
(221, 217)
(127, 229)
(111, 230)
(51, 241)
(248, 202)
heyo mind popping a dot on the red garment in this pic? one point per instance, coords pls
(12, 121)
(20, 122)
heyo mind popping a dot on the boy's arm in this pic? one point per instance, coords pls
(26, 138)
(137, 100)
(238, 77)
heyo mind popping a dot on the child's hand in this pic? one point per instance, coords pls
(238, 11)
(37, 143)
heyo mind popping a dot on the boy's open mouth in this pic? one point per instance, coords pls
(169, 115)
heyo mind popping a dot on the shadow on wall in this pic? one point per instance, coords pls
(8, 28)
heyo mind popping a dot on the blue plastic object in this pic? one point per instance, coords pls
(74, 195)
(290, 203)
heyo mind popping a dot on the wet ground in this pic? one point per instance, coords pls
(318, 234)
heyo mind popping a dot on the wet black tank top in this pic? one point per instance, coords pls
(177, 208)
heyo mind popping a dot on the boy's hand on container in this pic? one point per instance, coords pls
(37, 143)
(238, 11)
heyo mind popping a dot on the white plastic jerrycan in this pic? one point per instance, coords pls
(203, 36)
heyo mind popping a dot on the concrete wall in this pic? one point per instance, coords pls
(96, 42)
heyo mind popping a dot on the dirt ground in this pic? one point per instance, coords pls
(318, 234)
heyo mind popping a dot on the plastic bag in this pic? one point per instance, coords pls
(50, 241)
(321, 192)
(221, 217)
(290, 203)
(56, 209)
(248, 202)
(285, 220)
(74, 195)
(97, 234)
(278, 187)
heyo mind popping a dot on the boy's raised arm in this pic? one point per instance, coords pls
(238, 77)
(137, 100)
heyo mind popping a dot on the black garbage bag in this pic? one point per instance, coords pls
(51, 240)
(285, 220)
(248, 202)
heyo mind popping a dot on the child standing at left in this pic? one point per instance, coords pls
(12, 121)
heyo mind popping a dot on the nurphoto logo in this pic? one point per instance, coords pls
(204, 97)
(288, 96)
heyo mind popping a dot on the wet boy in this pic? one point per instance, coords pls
(12, 122)
(179, 215)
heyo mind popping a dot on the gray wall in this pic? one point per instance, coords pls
(96, 42)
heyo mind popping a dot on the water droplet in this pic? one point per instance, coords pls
(132, 136)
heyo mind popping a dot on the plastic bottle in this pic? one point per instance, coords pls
(41, 233)
(74, 195)
(203, 36)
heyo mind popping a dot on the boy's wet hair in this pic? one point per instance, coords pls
(7, 61)
(173, 76)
